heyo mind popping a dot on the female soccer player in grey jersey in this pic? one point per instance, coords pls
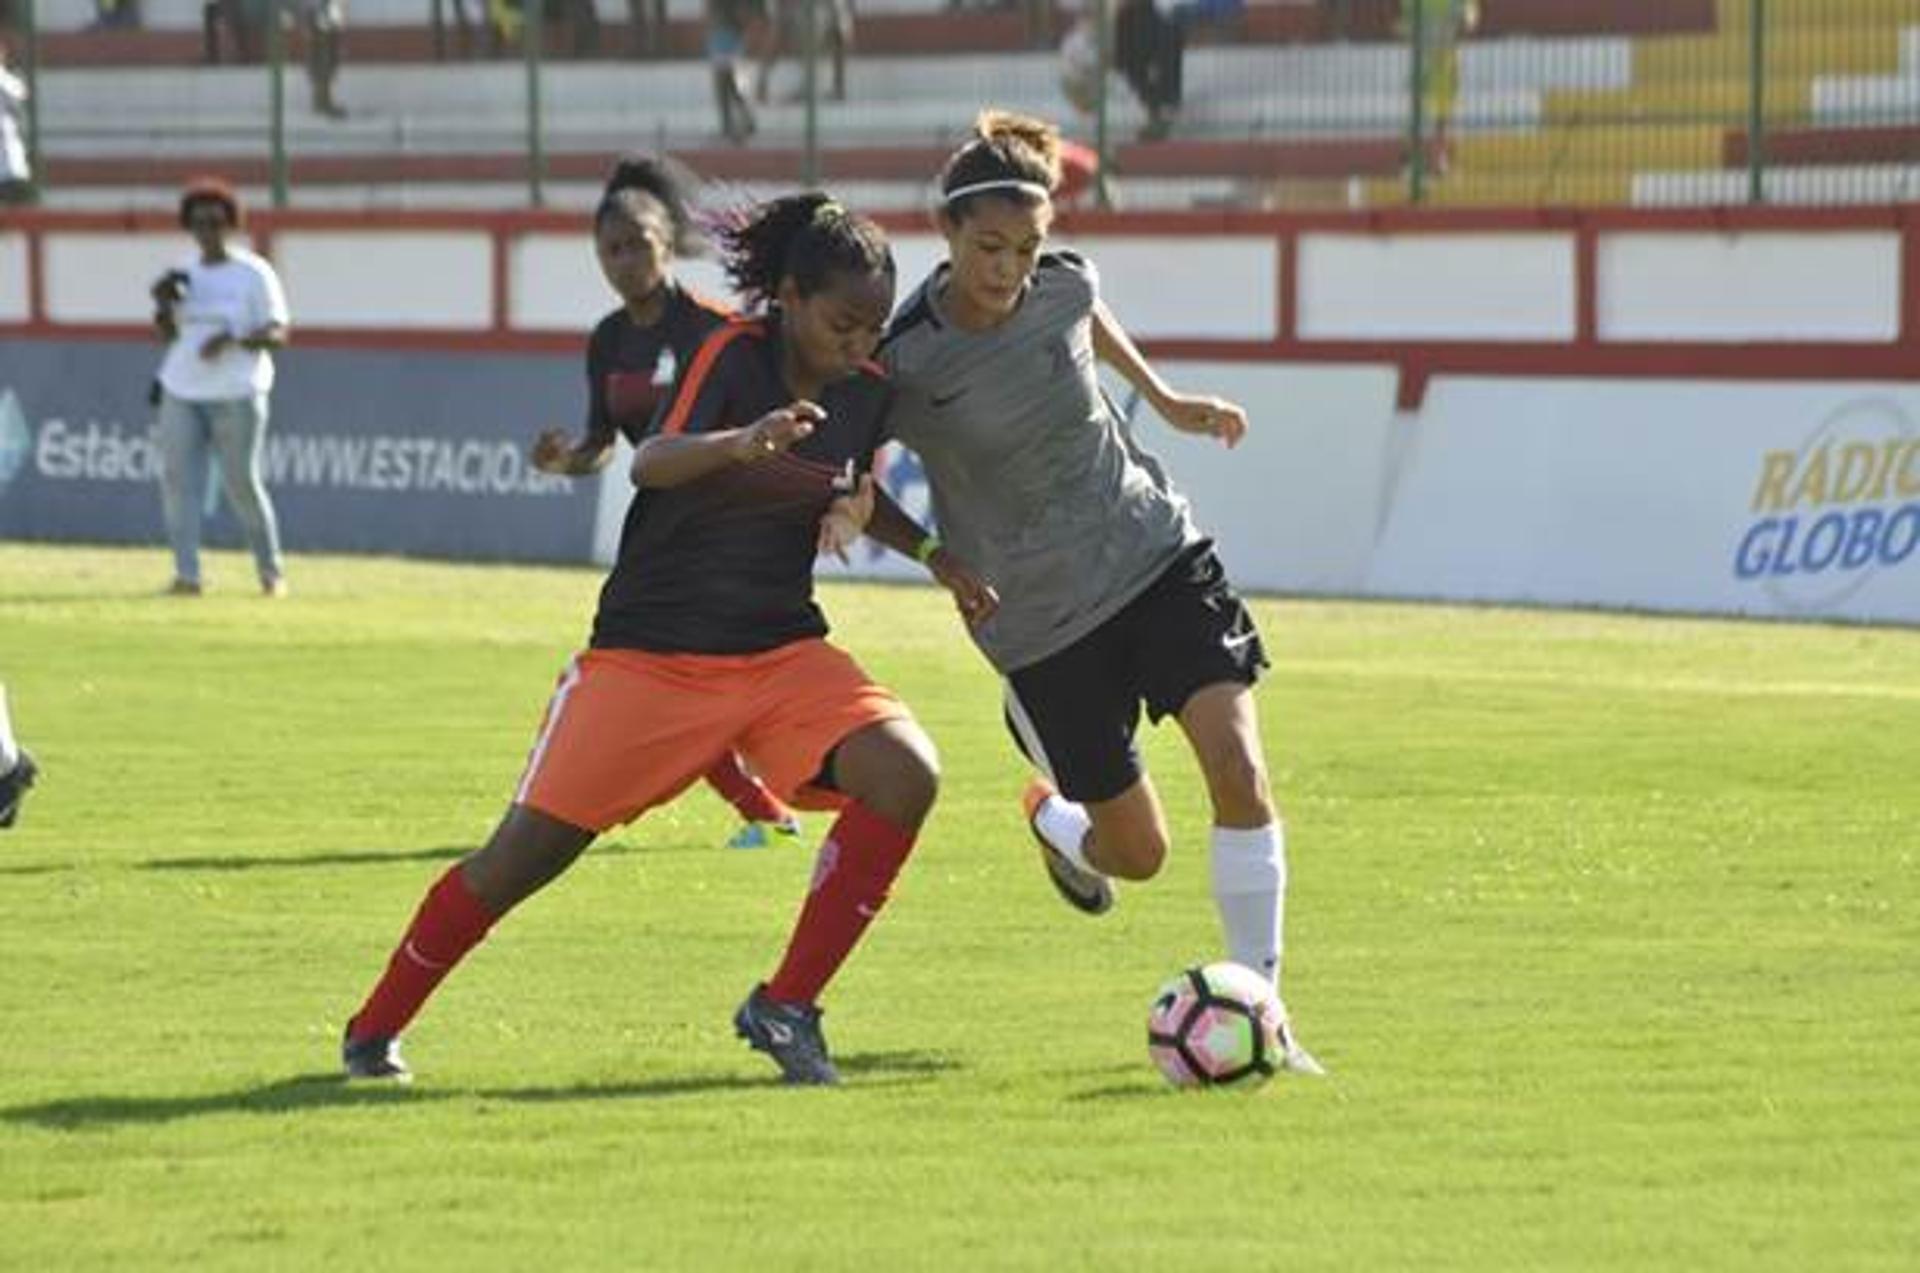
(1110, 599)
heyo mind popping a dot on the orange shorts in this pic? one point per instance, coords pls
(627, 729)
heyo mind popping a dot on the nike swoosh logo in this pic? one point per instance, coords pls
(951, 398)
(413, 952)
(779, 1033)
(1235, 642)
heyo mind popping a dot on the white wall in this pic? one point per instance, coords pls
(1772, 498)
(1775, 499)
(1296, 507)
(1782, 499)
(1507, 286)
(104, 278)
(1218, 287)
(436, 279)
(1488, 286)
(1778, 286)
(13, 278)
(555, 283)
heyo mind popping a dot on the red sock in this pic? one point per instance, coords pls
(745, 792)
(450, 922)
(859, 859)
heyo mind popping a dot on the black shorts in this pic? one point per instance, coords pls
(1075, 713)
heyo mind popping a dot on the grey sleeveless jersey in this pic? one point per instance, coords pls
(1037, 480)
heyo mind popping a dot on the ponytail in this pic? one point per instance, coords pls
(1010, 156)
(805, 237)
(662, 181)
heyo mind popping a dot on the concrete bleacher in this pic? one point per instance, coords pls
(1845, 100)
(1590, 101)
(1857, 141)
(107, 127)
(1820, 186)
(73, 15)
(1842, 92)
(184, 15)
(1266, 21)
(1231, 92)
(577, 196)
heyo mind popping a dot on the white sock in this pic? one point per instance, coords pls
(1065, 826)
(1250, 888)
(9, 749)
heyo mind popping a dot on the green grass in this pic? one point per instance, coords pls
(1609, 929)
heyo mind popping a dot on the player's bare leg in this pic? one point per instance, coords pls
(1083, 845)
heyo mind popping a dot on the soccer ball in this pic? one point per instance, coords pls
(1216, 1026)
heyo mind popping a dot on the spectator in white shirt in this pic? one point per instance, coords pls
(222, 313)
(16, 180)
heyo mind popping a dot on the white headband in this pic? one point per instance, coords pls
(1004, 183)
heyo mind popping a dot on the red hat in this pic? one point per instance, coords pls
(210, 189)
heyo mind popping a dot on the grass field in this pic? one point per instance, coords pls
(1608, 928)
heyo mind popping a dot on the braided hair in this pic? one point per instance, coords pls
(804, 237)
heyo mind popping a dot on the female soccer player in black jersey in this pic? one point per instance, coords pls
(707, 639)
(645, 221)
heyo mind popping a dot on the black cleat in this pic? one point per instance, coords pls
(790, 1034)
(375, 1057)
(13, 788)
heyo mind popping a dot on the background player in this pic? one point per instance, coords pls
(643, 222)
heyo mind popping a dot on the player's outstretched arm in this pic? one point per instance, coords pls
(666, 460)
(1190, 413)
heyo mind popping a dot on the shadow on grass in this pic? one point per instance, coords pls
(1121, 1092)
(350, 857)
(80, 598)
(243, 862)
(1139, 1083)
(323, 1091)
(305, 1091)
(363, 857)
(38, 868)
(902, 1064)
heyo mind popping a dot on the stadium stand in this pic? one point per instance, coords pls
(1301, 104)
(1841, 90)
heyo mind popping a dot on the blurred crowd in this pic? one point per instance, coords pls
(750, 45)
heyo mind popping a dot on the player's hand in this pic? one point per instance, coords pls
(551, 452)
(215, 345)
(776, 431)
(972, 595)
(1206, 415)
(846, 519)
